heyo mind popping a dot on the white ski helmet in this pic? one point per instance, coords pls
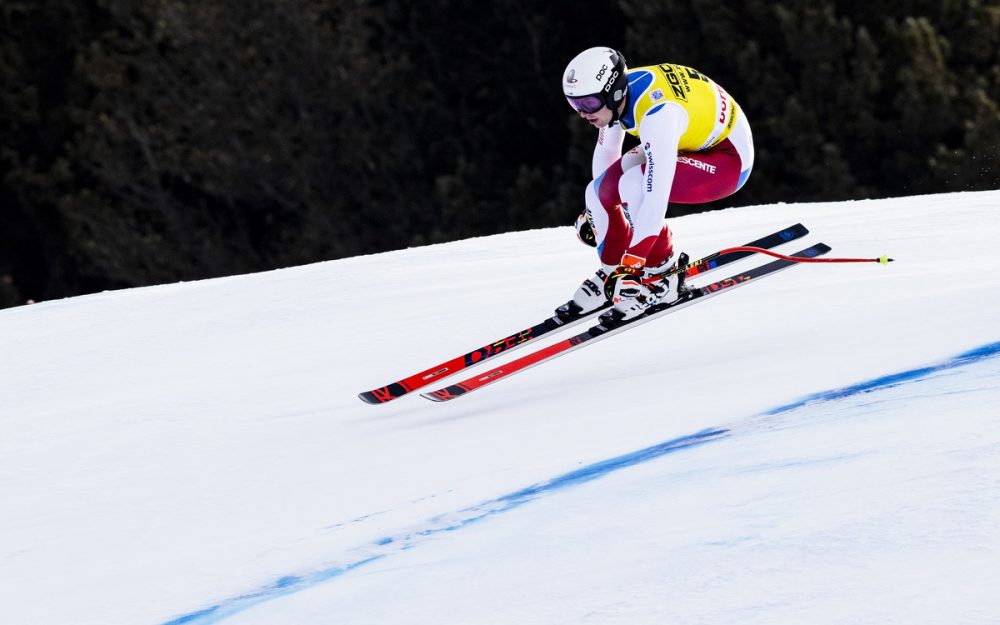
(596, 78)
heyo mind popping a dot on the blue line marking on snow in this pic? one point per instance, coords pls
(388, 545)
(194, 616)
(991, 350)
(290, 584)
(600, 469)
(285, 586)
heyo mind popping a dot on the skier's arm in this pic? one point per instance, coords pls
(660, 134)
(608, 148)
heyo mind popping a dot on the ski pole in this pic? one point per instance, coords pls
(881, 259)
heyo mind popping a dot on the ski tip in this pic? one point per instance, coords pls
(376, 397)
(368, 398)
(444, 394)
(384, 394)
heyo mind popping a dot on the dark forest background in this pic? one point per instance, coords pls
(164, 140)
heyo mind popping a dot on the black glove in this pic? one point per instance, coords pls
(584, 231)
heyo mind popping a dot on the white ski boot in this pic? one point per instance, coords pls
(666, 288)
(632, 296)
(628, 295)
(588, 298)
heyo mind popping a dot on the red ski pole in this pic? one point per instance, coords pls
(881, 259)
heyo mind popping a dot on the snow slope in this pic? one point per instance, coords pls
(820, 447)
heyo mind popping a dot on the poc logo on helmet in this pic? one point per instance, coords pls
(611, 81)
(600, 74)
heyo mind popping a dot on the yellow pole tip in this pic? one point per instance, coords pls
(884, 260)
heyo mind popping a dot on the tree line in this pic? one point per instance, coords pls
(144, 143)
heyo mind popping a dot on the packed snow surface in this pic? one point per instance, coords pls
(822, 446)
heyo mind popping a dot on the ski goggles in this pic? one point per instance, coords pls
(586, 104)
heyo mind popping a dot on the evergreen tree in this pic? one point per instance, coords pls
(151, 142)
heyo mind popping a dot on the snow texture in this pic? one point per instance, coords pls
(820, 447)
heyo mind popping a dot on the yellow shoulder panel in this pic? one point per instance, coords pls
(711, 111)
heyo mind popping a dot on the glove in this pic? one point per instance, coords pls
(584, 231)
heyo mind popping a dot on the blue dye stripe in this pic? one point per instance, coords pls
(287, 585)
(389, 545)
(991, 350)
(291, 584)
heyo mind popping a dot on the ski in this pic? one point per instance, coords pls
(450, 367)
(600, 331)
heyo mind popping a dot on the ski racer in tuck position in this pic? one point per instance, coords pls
(694, 146)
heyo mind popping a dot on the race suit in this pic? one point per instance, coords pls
(695, 146)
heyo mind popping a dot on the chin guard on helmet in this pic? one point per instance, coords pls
(584, 231)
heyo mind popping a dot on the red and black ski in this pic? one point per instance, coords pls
(600, 331)
(459, 363)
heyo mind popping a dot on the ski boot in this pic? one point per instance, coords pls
(665, 282)
(588, 298)
(655, 286)
(629, 296)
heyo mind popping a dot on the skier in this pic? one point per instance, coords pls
(695, 146)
